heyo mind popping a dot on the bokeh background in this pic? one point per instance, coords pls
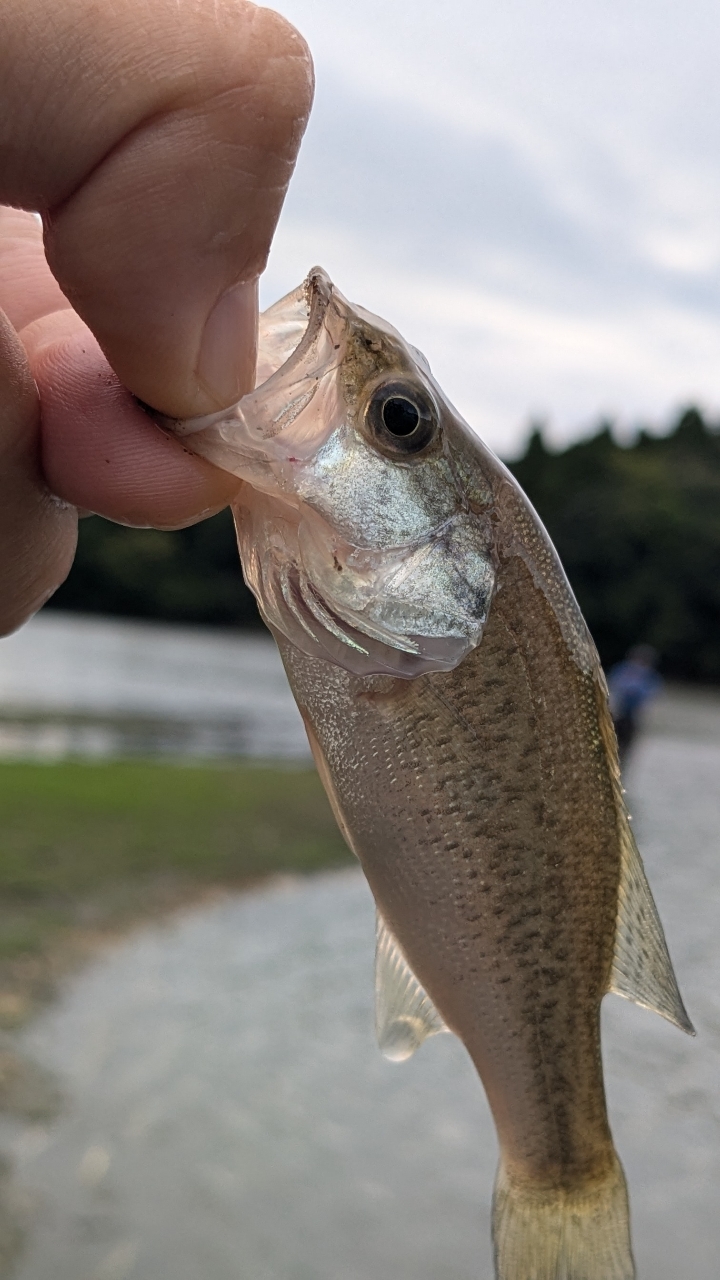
(188, 1083)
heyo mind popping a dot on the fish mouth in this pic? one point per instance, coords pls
(403, 609)
(290, 328)
(301, 342)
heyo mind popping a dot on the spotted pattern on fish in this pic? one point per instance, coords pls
(483, 812)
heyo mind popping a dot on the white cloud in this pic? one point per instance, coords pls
(529, 191)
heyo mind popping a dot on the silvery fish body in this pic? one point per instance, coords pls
(457, 713)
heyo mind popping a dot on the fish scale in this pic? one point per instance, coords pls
(458, 716)
(503, 942)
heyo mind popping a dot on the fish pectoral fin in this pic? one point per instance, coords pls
(642, 970)
(404, 1013)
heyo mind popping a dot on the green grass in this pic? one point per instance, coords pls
(70, 828)
(94, 846)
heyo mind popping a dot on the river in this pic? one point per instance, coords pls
(73, 685)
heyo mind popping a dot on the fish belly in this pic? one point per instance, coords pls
(481, 805)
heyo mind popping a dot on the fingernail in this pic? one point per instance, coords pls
(228, 351)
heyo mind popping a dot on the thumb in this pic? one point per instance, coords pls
(162, 163)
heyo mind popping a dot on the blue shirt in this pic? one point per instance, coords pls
(631, 684)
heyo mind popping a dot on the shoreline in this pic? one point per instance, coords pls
(89, 851)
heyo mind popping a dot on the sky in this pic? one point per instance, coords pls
(529, 191)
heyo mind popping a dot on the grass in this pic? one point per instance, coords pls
(86, 849)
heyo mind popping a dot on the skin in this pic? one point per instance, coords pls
(156, 139)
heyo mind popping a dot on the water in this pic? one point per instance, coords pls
(227, 1115)
(97, 687)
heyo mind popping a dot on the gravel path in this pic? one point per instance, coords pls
(227, 1116)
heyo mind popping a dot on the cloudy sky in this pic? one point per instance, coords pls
(529, 190)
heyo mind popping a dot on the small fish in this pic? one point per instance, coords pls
(458, 716)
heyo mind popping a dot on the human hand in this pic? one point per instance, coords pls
(156, 138)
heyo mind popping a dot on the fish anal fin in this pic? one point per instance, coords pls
(642, 970)
(404, 1013)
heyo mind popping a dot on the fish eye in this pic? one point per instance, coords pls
(402, 416)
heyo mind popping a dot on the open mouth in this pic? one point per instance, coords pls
(300, 342)
(290, 327)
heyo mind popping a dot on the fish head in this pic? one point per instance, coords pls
(365, 520)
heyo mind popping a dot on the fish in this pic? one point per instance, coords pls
(458, 717)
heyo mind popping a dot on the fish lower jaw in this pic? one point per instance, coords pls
(297, 610)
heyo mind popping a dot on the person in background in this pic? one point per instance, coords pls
(632, 683)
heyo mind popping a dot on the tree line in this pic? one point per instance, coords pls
(637, 527)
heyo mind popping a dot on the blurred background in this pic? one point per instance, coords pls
(188, 1080)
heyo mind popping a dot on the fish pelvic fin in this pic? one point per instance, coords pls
(576, 1234)
(404, 1013)
(642, 970)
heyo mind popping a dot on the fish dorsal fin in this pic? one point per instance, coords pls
(642, 969)
(404, 1013)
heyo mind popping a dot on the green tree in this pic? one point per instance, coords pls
(637, 528)
(189, 575)
(638, 531)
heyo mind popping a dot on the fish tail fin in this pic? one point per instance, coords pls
(580, 1234)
